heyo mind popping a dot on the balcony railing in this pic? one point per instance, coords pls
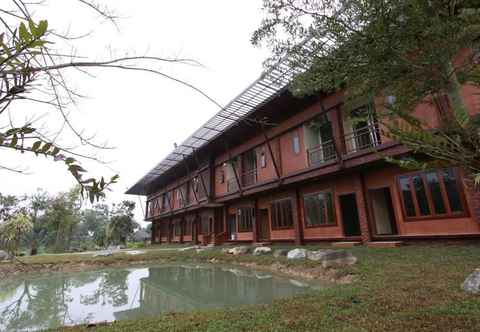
(362, 139)
(249, 177)
(322, 153)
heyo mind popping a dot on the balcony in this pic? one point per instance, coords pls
(249, 178)
(363, 138)
(322, 153)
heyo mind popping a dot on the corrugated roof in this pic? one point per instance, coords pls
(260, 92)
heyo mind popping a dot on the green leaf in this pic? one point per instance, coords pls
(14, 141)
(24, 34)
(46, 147)
(36, 145)
(32, 27)
(55, 151)
(42, 28)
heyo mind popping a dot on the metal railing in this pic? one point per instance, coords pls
(322, 153)
(249, 177)
(363, 138)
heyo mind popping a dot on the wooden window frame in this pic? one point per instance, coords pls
(240, 220)
(334, 205)
(296, 137)
(433, 215)
(263, 159)
(274, 226)
(177, 228)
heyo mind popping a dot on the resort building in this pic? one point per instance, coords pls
(272, 167)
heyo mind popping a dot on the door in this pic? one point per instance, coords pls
(382, 211)
(263, 226)
(232, 227)
(349, 212)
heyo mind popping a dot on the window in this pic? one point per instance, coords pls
(296, 143)
(319, 209)
(178, 228)
(245, 219)
(206, 225)
(263, 159)
(430, 194)
(222, 177)
(282, 215)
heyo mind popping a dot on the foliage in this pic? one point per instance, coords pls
(122, 224)
(405, 53)
(12, 230)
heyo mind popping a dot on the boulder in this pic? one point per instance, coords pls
(239, 250)
(3, 255)
(472, 283)
(338, 259)
(297, 254)
(225, 250)
(280, 252)
(318, 255)
(104, 254)
(262, 251)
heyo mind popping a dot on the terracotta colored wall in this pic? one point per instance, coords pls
(264, 202)
(376, 178)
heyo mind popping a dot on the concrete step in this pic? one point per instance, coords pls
(349, 244)
(385, 244)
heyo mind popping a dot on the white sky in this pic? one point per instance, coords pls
(142, 115)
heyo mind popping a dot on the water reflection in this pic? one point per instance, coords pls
(69, 299)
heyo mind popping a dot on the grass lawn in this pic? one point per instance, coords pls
(413, 288)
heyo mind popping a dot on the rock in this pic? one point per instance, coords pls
(280, 252)
(189, 248)
(338, 259)
(297, 254)
(104, 254)
(239, 250)
(318, 255)
(135, 252)
(225, 250)
(472, 283)
(262, 251)
(3, 255)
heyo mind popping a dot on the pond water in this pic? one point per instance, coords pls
(56, 300)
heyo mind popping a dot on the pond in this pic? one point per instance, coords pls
(42, 302)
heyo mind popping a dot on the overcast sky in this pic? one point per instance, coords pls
(140, 114)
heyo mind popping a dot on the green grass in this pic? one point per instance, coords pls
(413, 288)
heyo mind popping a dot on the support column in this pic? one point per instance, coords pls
(297, 218)
(255, 220)
(364, 212)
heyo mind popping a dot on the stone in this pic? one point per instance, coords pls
(225, 250)
(262, 251)
(472, 283)
(189, 248)
(104, 254)
(239, 250)
(3, 255)
(280, 252)
(297, 254)
(318, 255)
(338, 259)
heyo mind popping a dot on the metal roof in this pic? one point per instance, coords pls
(260, 92)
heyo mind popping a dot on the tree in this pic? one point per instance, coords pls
(12, 231)
(121, 225)
(37, 205)
(8, 205)
(61, 218)
(32, 68)
(406, 53)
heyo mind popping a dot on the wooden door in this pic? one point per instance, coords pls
(263, 225)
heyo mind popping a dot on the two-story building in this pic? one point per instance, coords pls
(272, 167)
